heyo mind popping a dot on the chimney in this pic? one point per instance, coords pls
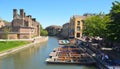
(29, 16)
(22, 13)
(34, 19)
(14, 13)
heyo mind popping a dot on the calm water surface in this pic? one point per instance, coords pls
(34, 58)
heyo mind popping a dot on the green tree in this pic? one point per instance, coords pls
(96, 25)
(114, 26)
(43, 32)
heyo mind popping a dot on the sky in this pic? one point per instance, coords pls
(53, 12)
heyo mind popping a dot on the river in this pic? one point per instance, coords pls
(34, 58)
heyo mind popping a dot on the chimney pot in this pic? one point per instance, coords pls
(14, 13)
(34, 19)
(22, 13)
(29, 16)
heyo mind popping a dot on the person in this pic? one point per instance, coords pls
(106, 57)
(34, 40)
(87, 39)
(103, 56)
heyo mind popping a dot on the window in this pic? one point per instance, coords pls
(26, 24)
(78, 22)
(78, 28)
(32, 30)
(78, 34)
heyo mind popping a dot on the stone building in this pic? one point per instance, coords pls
(65, 30)
(76, 26)
(22, 26)
(54, 30)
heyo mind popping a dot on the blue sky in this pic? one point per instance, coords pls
(53, 12)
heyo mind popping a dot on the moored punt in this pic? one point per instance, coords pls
(69, 61)
(53, 54)
(63, 42)
(70, 55)
(68, 48)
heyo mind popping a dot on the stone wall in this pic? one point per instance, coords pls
(12, 36)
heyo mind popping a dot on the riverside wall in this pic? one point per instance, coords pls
(33, 41)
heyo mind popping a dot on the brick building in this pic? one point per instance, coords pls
(22, 26)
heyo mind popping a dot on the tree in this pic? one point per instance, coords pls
(43, 32)
(114, 26)
(5, 21)
(96, 25)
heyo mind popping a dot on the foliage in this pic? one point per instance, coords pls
(114, 26)
(89, 14)
(5, 21)
(11, 44)
(43, 32)
(41, 27)
(96, 25)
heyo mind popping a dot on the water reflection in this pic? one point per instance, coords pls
(34, 58)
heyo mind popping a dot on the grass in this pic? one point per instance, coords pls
(11, 44)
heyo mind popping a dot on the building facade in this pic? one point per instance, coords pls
(76, 26)
(22, 26)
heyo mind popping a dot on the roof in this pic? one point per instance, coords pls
(78, 16)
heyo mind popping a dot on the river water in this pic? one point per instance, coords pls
(34, 58)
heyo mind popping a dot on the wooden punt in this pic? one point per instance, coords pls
(70, 55)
